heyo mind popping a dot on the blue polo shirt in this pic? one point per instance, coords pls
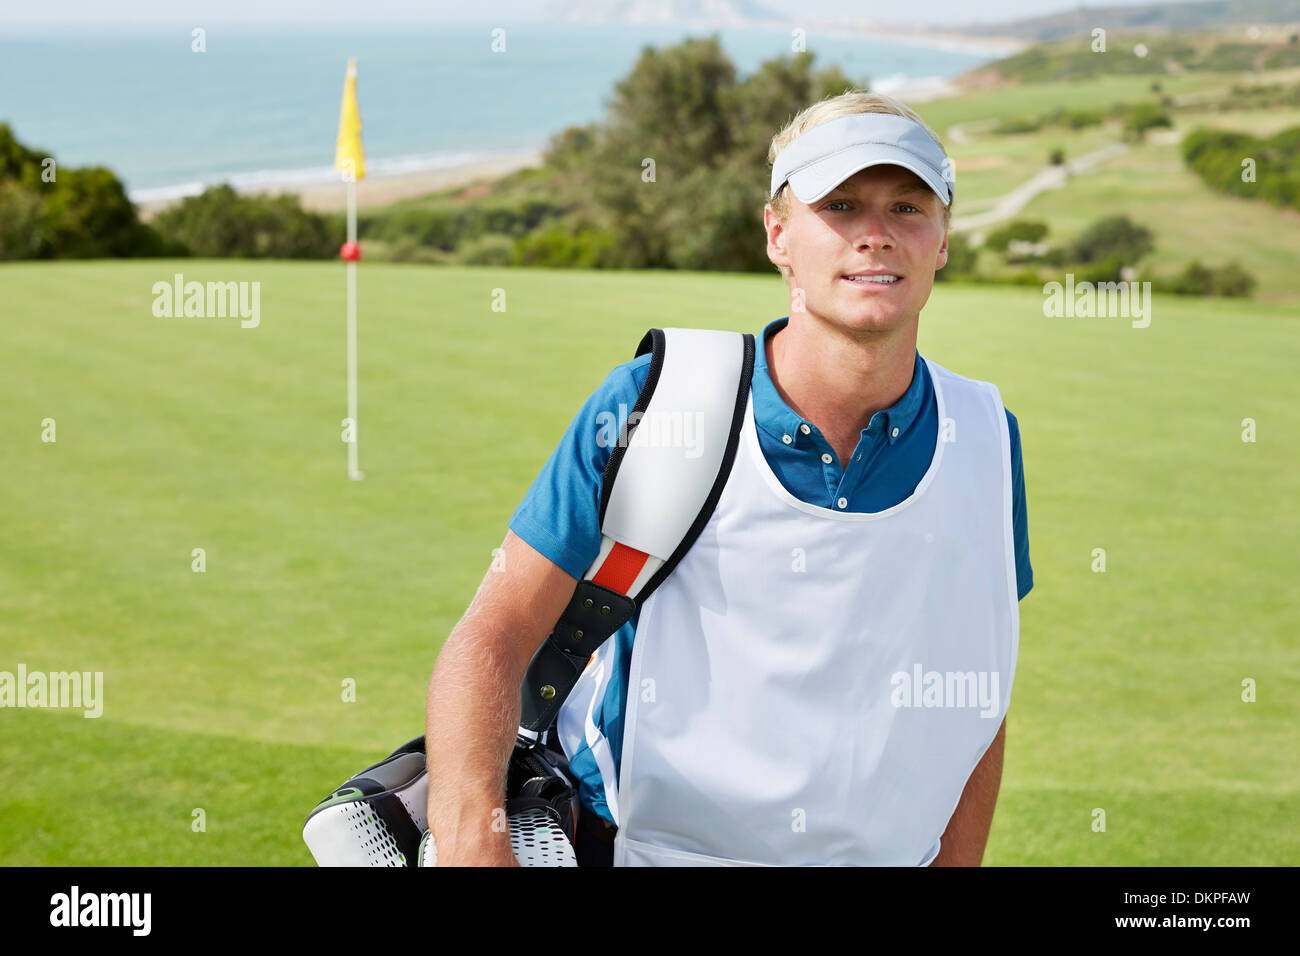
(560, 514)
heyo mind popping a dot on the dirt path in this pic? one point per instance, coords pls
(1050, 177)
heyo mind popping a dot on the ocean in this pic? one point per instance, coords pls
(261, 109)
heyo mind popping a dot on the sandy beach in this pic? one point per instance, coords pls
(380, 190)
(991, 46)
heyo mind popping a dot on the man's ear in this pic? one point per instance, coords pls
(942, 258)
(777, 252)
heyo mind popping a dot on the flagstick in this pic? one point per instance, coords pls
(353, 473)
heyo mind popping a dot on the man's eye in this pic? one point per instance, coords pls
(843, 202)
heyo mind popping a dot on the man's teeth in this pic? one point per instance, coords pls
(883, 279)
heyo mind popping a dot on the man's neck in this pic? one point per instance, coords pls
(838, 382)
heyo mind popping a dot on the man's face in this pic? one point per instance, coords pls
(881, 218)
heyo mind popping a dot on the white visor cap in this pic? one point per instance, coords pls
(821, 158)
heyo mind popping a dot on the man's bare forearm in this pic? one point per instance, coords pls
(472, 716)
(967, 834)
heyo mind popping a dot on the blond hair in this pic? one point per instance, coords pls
(845, 104)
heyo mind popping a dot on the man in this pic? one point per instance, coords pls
(765, 706)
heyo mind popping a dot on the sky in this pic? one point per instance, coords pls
(143, 13)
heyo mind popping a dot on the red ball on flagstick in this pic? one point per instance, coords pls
(351, 252)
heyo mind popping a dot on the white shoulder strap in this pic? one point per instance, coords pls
(662, 482)
(672, 451)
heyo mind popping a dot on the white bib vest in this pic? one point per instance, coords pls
(812, 686)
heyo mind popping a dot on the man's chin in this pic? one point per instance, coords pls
(875, 316)
(869, 324)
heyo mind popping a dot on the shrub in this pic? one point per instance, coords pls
(1078, 119)
(558, 245)
(1025, 277)
(494, 250)
(1018, 124)
(221, 222)
(405, 249)
(1116, 236)
(447, 224)
(1055, 256)
(1108, 269)
(961, 258)
(1216, 156)
(1195, 279)
(1233, 280)
(1145, 116)
(1228, 280)
(1023, 230)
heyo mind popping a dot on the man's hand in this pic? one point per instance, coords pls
(489, 853)
(968, 829)
(473, 701)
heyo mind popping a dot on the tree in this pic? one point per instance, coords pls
(571, 147)
(72, 213)
(1232, 280)
(707, 136)
(88, 215)
(17, 162)
(1195, 279)
(1145, 116)
(1113, 236)
(20, 221)
(1021, 230)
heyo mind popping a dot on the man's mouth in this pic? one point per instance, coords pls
(865, 278)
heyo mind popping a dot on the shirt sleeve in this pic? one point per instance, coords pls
(1019, 516)
(560, 514)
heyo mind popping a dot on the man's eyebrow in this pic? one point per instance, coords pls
(900, 189)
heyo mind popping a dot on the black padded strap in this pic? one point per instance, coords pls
(592, 615)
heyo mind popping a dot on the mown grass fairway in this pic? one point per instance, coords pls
(223, 689)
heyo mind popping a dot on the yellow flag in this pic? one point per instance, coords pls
(348, 154)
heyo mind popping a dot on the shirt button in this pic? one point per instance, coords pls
(787, 439)
(826, 458)
(805, 429)
(843, 502)
(894, 433)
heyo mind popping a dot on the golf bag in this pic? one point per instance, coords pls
(654, 503)
(377, 818)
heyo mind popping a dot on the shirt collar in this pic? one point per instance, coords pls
(778, 419)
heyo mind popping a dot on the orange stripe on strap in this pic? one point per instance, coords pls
(620, 568)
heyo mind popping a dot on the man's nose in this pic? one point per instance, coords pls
(871, 230)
